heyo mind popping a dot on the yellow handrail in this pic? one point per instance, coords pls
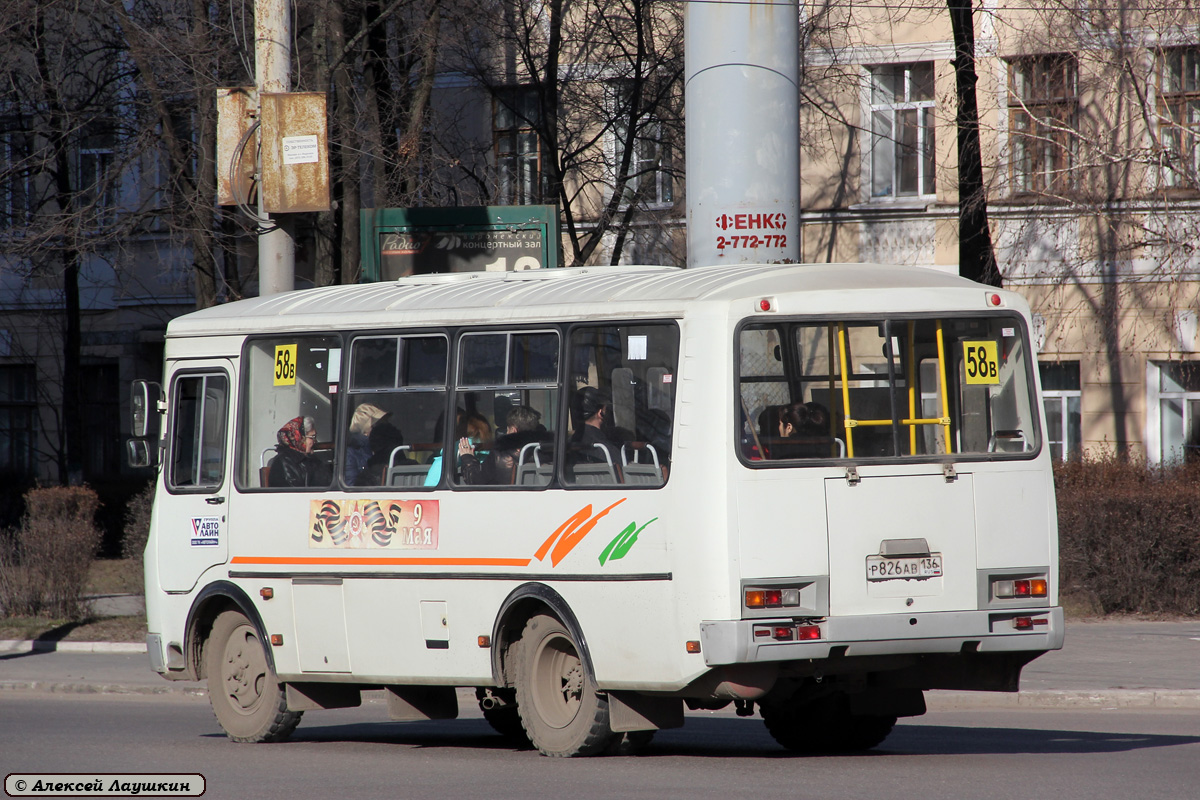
(849, 422)
(912, 388)
(941, 344)
(912, 420)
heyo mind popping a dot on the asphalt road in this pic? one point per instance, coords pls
(1062, 754)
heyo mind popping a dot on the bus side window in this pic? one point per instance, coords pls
(197, 458)
(622, 403)
(289, 412)
(397, 396)
(508, 396)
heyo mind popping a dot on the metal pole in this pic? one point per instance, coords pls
(272, 73)
(742, 66)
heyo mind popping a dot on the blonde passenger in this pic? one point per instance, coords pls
(358, 445)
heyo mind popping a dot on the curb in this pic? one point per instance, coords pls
(47, 646)
(59, 687)
(1079, 698)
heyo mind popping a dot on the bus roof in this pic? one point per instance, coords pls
(586, 291)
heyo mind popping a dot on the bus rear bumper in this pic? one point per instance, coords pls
(1026, 630)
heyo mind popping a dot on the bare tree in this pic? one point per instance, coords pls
(976, 258)
(587, 100)
(65, 80)
(1103, 143)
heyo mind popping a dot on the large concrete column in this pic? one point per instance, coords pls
(742, 105)
(272, 73)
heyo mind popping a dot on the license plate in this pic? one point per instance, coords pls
(880, 568)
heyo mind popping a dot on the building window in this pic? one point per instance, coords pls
(1179, 114)
(1179, 411)
(515, 120)
(648, 179)
(97, 183)
(1061, 398)
(18, 414)
(1042, 104)
(902, 130)
(101, 413)
(16, 184)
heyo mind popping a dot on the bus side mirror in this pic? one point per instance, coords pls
(140, 453)
(145, 400)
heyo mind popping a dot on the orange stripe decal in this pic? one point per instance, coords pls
(571, 524)
(384, 562)
(575, 534)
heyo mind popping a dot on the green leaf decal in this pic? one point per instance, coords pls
(624, 540)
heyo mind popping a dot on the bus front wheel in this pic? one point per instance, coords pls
(557, 700)
(247, 698)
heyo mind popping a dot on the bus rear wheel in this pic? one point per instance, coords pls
(824, 726)
(558, 703)
(246, 696)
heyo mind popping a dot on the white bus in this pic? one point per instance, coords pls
(601, 496)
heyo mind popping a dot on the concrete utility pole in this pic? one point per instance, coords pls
(272, 73)
(741, 67)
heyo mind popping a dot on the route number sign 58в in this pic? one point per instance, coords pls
(981, 361)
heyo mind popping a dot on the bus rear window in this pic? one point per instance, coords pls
(886, 389)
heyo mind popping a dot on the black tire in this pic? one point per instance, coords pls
(560, 709)
(504, 719)
(824, 726)
(247, 698)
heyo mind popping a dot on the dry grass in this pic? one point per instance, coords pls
(115, 576)
(105, 576)
(92, 629)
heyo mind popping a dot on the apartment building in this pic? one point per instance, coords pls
(1090, 138)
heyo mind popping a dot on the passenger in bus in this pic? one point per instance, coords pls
(792, 423)
(523, 427)
(384, 439)
(804, 429)
(818, 419)
(294, 464)
(358, 445)
(474, 426)
(594, 427)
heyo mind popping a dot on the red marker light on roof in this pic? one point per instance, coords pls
(764, 304)
(993, 299)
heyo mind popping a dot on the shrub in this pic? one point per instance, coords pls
(137, 523)
(1129, 535)
(44, 561)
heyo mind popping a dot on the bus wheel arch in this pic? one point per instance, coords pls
(522, 604)
(213, 600)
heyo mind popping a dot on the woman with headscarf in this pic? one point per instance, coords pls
(294, 464)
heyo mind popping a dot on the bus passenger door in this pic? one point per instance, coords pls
(192, 515)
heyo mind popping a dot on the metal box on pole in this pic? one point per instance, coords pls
(295, 153)
(237, 109)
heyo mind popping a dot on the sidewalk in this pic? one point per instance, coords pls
(1103, 665)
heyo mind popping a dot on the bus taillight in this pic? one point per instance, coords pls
(788, 633)
(1028, 587)
(808, 632)
(782, 597)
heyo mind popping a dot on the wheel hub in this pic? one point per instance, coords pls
(244, 670)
